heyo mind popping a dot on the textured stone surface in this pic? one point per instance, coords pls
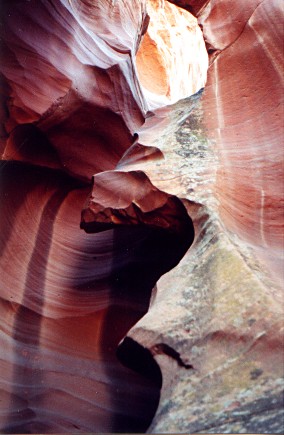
(95, 99)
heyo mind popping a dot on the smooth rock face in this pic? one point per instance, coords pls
(243, 112)
(67, 301)
(95, 133)
(248, 123)
(72, 105)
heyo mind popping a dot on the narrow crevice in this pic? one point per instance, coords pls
(194, 9)
(165, 349)
(141, 255)
(150, 237)
(137, 357)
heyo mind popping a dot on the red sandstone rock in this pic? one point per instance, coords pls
(79, 83)
(248, 128)
(138, 204)
(193, 6)
(63, 313)
(243, 111)
(74, 98)
(166, 71)
(74, 102)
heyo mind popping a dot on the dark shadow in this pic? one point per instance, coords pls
(17, 180)
(138, 358)
(12, 175)
(140, 256)
(27, 143)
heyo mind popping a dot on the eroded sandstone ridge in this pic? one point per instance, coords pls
(141, 222)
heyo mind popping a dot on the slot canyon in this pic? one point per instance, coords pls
(141, 220)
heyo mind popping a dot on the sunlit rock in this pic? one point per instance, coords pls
(167, 71)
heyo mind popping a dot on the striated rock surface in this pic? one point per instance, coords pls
(141, 237)
(66, 302)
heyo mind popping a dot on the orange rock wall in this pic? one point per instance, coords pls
(244, 109)
(92, 94)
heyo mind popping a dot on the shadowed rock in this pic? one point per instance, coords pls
(102, 91)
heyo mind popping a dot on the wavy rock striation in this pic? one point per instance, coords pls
(118, 326)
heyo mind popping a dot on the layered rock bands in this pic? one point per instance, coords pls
(141, 216)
